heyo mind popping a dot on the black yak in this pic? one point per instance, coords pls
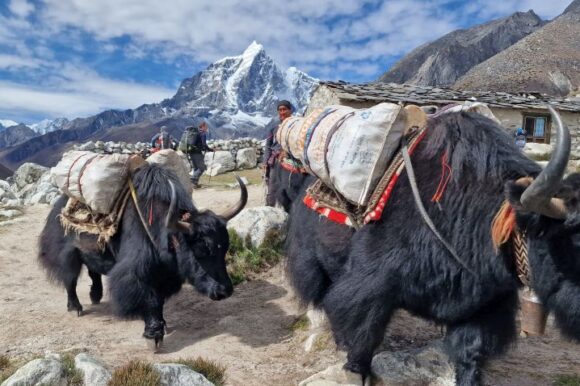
(398, 263)
(188, 245)
(287, 184)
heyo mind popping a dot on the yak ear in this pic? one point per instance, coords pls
(514, 190)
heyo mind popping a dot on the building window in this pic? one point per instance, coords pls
(537, 128)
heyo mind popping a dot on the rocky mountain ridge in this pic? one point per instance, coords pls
(546, 61)
(443, 61)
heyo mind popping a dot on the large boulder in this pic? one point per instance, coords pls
(94, 373)
(427, 366)
(46, 371)
(219, 162)
(179, 375)
(260, 223)
(41, 192)
(28, 173)
(538, 151)
(246, 158)
(7, 195)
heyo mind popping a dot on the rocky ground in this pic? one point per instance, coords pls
(254, 333)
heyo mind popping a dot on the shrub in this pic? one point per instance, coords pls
(135, 373)
(214, 372)
(567, 380)
(245, 260)
(7, 368)
(73, 376)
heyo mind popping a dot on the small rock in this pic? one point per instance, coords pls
(94, 373)
(427, 366)
(333, 376)
(179, 375)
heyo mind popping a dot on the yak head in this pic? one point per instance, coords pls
(204, 242)
(548, 212)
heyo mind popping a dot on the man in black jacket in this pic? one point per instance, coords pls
(273, 148)
(193, 144)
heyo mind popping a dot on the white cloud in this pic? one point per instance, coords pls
(79, 93)
(328, 38)
(17, 62)
(21, 8)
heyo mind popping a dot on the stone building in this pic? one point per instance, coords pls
(528, 110)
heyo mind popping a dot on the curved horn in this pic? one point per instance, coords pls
(538, 197)
(181, 226)
(237, 208)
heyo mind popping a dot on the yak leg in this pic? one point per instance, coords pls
(359, 310)
(69, 274)
(487, 333)
(154, 322)
(96, 288)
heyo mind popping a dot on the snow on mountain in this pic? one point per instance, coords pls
(48, 125)
(238, 94)
(6, 123)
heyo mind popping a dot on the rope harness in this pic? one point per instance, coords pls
(503, 230)
(143, 222)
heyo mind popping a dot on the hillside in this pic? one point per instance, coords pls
(546, 61)
(443, 61)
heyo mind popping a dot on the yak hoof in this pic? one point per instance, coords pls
(155, 344)
(75, 307)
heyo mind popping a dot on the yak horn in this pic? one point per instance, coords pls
(180, 226)
(538, 197)
(237, 208)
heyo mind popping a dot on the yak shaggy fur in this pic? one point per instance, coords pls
(360, 278)
(142, 275)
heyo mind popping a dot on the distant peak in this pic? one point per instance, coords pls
(574, 7)
(253, 49)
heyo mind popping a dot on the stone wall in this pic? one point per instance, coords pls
(231, 145)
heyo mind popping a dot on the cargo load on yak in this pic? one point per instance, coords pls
(99, 186)
(357, 154)
(347, 149)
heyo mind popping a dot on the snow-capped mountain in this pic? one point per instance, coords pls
(6, 123)
(238, 94)
(49, 125)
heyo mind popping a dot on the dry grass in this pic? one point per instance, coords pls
(214, 372)
(73, 376)
(300, 324)
(135, 373)
(7, 368)
(254, 177)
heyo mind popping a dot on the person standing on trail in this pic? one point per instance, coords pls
(162, 140)
(194, 144)
(272, 149)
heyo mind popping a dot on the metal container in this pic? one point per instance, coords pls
(533, 320)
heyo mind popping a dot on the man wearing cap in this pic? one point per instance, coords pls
(193, 144)
(273, 149)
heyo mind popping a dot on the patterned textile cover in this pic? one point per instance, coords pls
(348, 149)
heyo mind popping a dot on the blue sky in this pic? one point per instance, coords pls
(75, 58)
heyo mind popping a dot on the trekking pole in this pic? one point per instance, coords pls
(212, 157)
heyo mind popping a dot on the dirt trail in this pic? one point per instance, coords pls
(250, 333)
